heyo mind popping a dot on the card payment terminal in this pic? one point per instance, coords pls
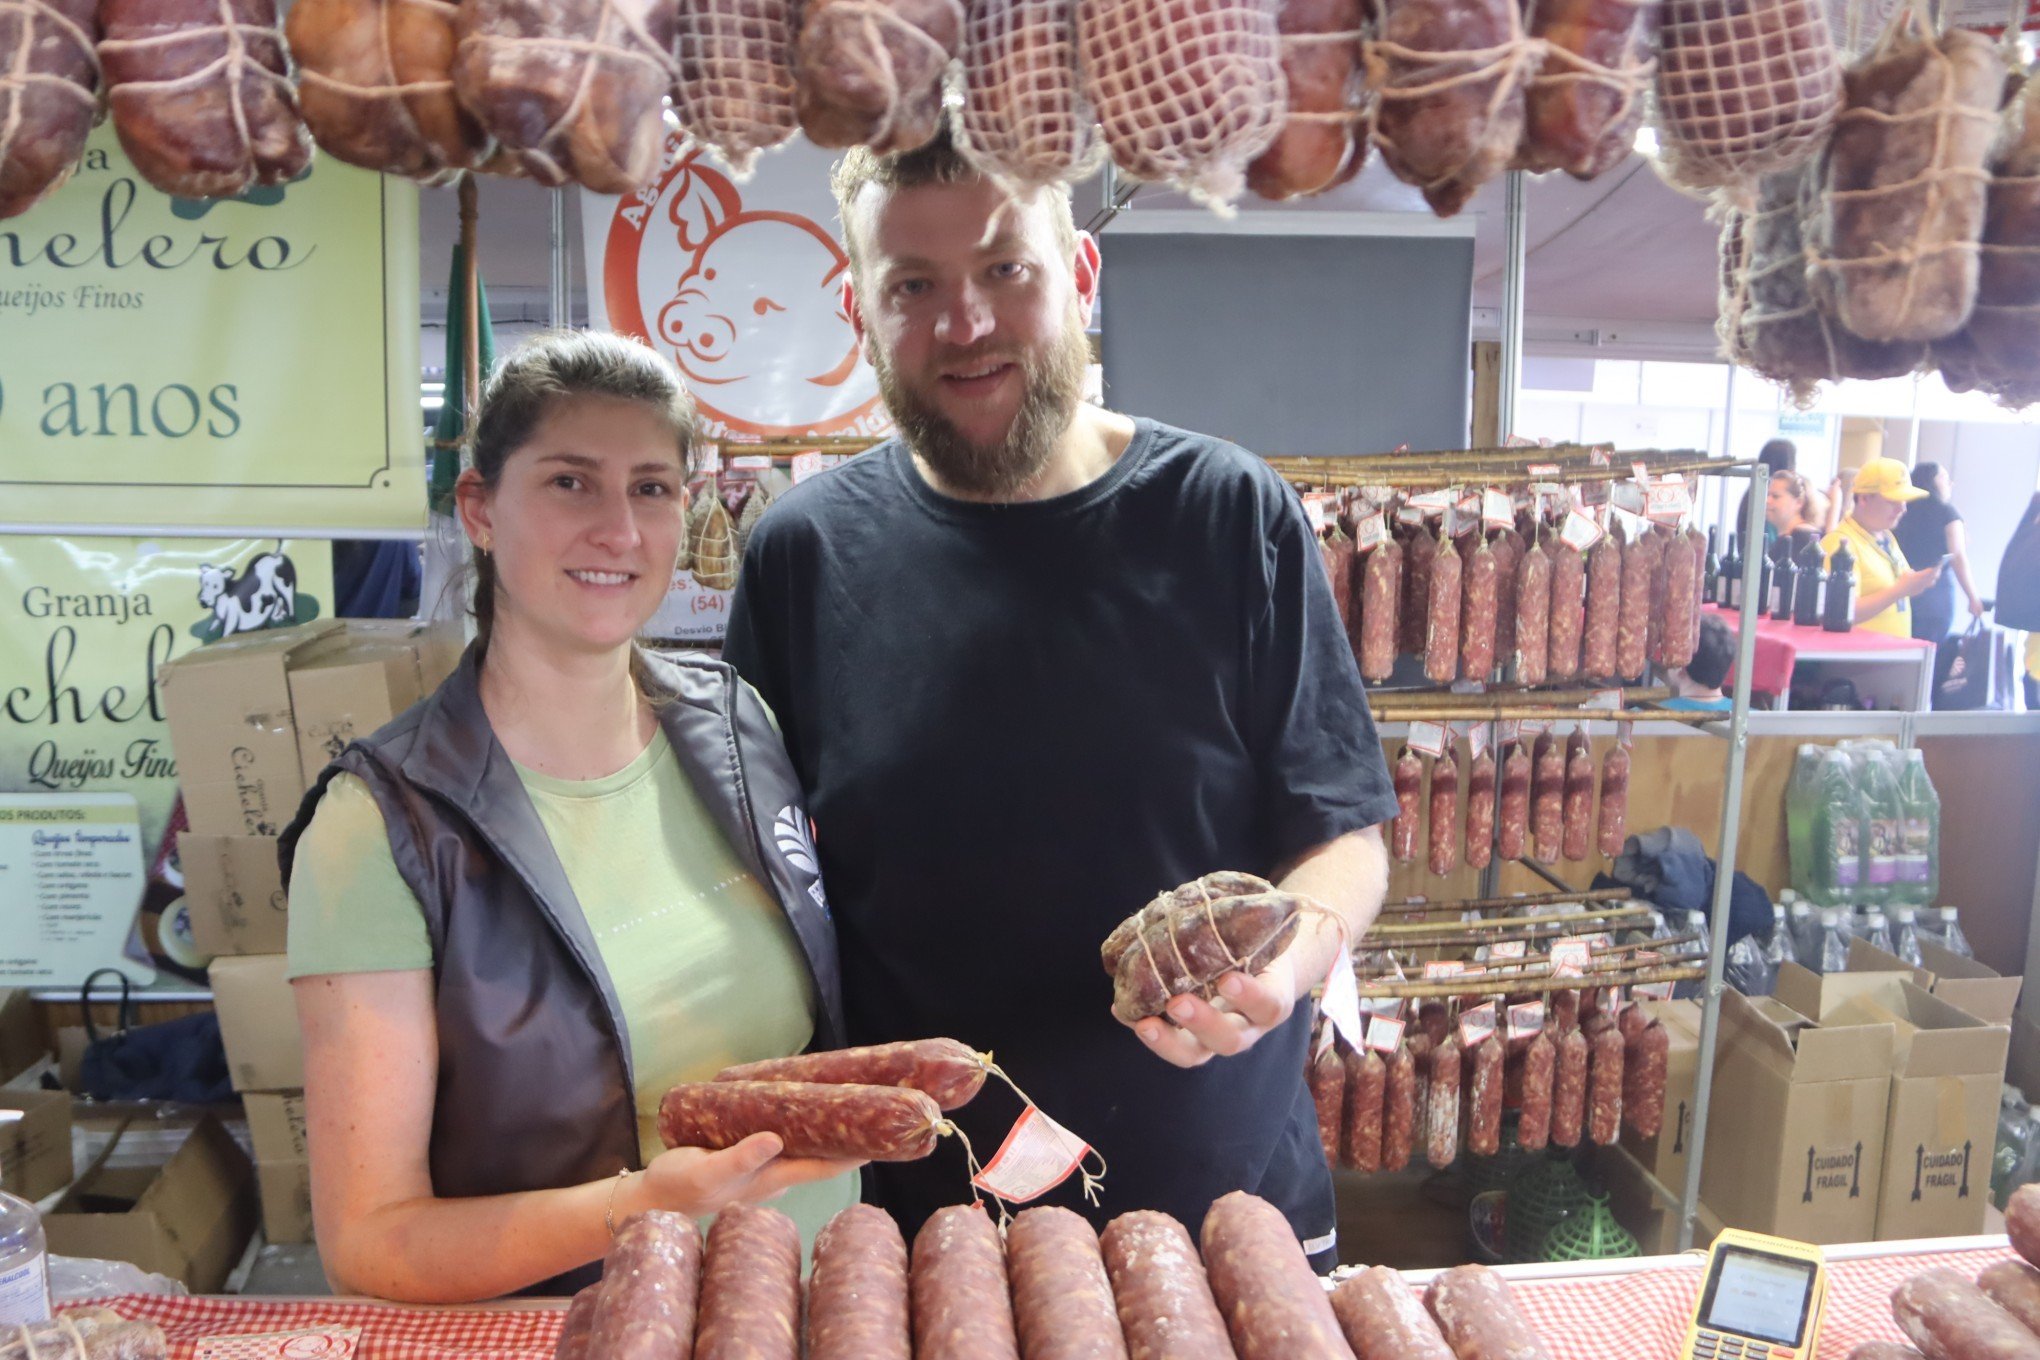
(1761, 1299)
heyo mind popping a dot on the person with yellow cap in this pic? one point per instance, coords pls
(1885, 582)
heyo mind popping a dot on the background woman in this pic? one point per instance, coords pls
(1932, 529)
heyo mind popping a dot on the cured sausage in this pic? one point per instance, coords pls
(1418, 555)
(1445, 830)
(1569, 1089)
(1632, 1022)
(1062, 1300)
(870, 71)
(1484, 1099)
(1269, 1296)
(1884, 1350)
(1699, 569)
(1384, 1320)
(1480, 811)
(2022, 1222)
(1323, 143)
(1192, 895)
(1441, 637)
(750, 1287)
(49, 97)
(1604, 607)
(1508, 551)
(1533, 1124)
(573, 1342)
(1337, 551)
(1547, 798)
(1682, 601)
(962, 1307)
(1949, 1318)
(1163, 1295)
(1514, 831)
(1614, 813)
(1441, 1106)
(1366, 1102)
(1420, 1047)
(1643, 1079)
(2015, 1287)
(1328, 1094)
(1188, 946)
(1448, 80)
(1533, 617)
(1632, 628)
(1582, 110)
(1477, 614)
(1604, 1087)
(1409, 801)
(1434, 1018)
(650, 1285)
(948, 1072)
(1565, 1011)
(1399, 1111)
(1479, 1317)
(1660, 575)
(1381, 590)
(1579, 795)
(1568, 611)
(860, 1123)
(857, 1292)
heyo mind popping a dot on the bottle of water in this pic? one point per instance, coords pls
(1905, 937)
(1834, 950)
(1877, 930)
(1952, 938)
(24, 1264)
(1778, 950)
(1805, 928)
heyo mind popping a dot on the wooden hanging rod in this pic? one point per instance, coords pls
(1480, 984)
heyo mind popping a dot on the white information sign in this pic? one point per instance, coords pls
(70, 875)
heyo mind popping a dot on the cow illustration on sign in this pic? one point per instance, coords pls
(264, 597)
(743, 290)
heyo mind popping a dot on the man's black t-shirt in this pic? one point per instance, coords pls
(1017, 723)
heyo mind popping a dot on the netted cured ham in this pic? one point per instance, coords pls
(1745, 88)
(1324, 137)
(1586, 102)
(870, 71)
(1999, 351)
(1449, 77)
(1188, 92)
(201, 95)
(573, 88)
(49, 96)
(1025, 120)
(734, 90)
(376, 85)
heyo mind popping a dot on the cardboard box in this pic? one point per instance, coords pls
(228, 706)
(1647, 1206)
(1795, 1131)
(1665, 1156)
(35, 1142)
(190, 1218)
(2022, 1064)
(1948, 1068)
(233, 888)
(350, 683)
(1981, 990)
(258, 1022)
(22, 1042)
(286, 1200)
(276, 1125)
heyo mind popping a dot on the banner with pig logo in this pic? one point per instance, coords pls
(740, 285)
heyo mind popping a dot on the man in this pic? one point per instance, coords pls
(1697, 688)
(1885, 582)
(1036, 661)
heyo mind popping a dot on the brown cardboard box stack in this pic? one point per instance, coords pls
(253, 720)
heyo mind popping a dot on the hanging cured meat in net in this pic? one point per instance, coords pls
(376, 85)
(1999, 352)
(1586, 102)
(1024, 119)
(870, 71)
(573, 87)
(734, 89)
(49, 84)
(201, 94)
(1188, 92)
(1324, 137)
(1448, 77)
(1745, 88)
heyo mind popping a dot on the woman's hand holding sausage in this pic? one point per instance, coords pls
(697, 1181)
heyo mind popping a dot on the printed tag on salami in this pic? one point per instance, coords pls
(1477, 1025)
(1444, 968)
(1370, 532)
(1599, 455)
(804, 466)
(1508, 730)
(1526, 1019)
(1384, 1033)
(1433, 503)
(1653, 991)
(1497, 511)
(1409, 514)
(1605, 698)
(1540, 470)
(1428, 738)
(1668, 500)
(1477, 740)
(1570, 958)
(1580, 532)
(306, 1343)
(1509, 949)
(1314, 507)
(1341, 999)
(1532, 727)
(1037, 1156)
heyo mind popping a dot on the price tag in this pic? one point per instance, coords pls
(1370, 532)
(1444, 968)
(1433, 503)
(1384, 1034)
(1570, 958)
(1477, 740)
(1409, 514)
(325, 1343)
(1497, 511)
(1430, 739)
(1341, 999)
(1668, 501)
(1380, 495)
(1580, 532)
(1509, 730)
(1540, 470)
(1037, 1156)
(1600, 455)
(1477, 1025)
(706, 458)
(1611, 1000)
(804, 466)
(1642, 473)
(1526, 1019)
(1533, 727)
(1622, 732)
(1315, 507)
(1509, 949)
(1654, 991)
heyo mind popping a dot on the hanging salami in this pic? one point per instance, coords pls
(1448, 77)
(1024, 119)
(1323, 142)
(49, 96)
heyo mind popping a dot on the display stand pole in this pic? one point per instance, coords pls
(559, 300)
(1724, 875)
(471, 359)
(1514, 262)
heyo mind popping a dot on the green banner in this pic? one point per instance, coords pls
(247, 364)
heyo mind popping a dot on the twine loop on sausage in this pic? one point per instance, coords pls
(75, 1337)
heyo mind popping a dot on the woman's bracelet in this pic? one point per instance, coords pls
(609, 1213)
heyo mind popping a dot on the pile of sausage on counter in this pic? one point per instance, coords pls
(1994, 1317)
(1539, 799)
(1047, 1288)
(1438, 1093)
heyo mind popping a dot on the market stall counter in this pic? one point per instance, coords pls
(1889, 671)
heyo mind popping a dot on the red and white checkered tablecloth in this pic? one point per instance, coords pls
(1637, 1316)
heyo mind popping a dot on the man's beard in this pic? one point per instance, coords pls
(1052, 385)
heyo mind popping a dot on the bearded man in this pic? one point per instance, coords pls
(1034, 662)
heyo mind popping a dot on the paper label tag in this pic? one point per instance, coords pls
(1477, 1025)
(1509, 949)
(1580, 532)
(1409, 514)
(1668, 501)
(1611, 1000)
(1605, 699)
(307, 1343)
(1533, 727)
(1600, 455)
(1316, 507)
(1509, 730)
(1497, 510)
(1432, 504)
(804, 466)
(1655, 991)
(1370, 532)
(1570, 958)
(1526, 1019)
(1545, 469)
(1037, 1156)
(1444, 968)
(1341, 999)
(1641, 470)
(1477, 740)
(1384, 1034)
(1428, 738)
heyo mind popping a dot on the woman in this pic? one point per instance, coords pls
(1792, 508)
(2018, 593)
(526, 908)
(1930, 530)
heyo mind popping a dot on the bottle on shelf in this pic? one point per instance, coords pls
(1710, 579)
(1905, 936)
(1810, 590)
(24, 1264)
(1834, 950)
(1730, 593)
(1778, 946)
(1838, 610)
(1952, 938)
(1761, 561)
(1883, 819)
(1805, 928)
(1919, 856)
(1802, 797)
(1876, 930)
(1837, 832)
